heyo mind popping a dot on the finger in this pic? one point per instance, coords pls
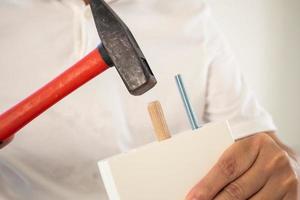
(271, 161)
(248, 184)
(280, 186)
(294, 188)
(269, 192)
(232, 164)
(292, 196)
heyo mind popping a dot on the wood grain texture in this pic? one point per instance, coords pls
(158, 120)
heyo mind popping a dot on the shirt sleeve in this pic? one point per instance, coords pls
(227, 96)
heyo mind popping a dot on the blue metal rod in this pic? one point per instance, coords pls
(188, 108)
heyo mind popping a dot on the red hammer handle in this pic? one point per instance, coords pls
(21, 114)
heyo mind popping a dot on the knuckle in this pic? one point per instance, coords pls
(267, 169)
(200, 195)
(292, 182)
(201, 191)
(228, 167)
(234, 191)
(264, 139)
(281, 160)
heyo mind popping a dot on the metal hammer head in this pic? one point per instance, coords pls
(122, 49)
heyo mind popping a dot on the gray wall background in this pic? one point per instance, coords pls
(265, 35)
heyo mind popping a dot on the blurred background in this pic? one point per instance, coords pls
(265, 36)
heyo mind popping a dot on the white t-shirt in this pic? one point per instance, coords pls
(55, 156)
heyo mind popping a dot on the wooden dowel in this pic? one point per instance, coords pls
(158, 120)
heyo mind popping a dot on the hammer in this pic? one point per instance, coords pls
(118, 48)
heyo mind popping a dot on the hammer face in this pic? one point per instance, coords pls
(122, 49)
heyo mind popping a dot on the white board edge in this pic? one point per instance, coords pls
(108, 180)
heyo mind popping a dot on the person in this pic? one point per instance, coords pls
(55, 156)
